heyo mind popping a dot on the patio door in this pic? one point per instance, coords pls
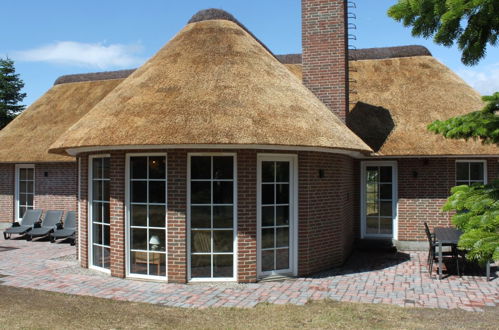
(25, 189)
(276, 215)
(379, 200)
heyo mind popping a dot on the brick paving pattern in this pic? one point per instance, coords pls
(397, 278)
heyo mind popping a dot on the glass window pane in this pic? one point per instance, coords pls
(267, 260)
(282, 237)
(385, 209)
(97, 233)
(462, 171)
(222, 216)
(97, 212)
(372, 225)
(268, 216)
(138, 215)
(267, 194)
(223, 167)
(157, 240)
(223, 265)
(22, 210)
(138, 263)
(282, 194)
(372, 197)
(200, 266)
(97, 191)
(23, 174)
(282, 259)
(157, 167)
(157, 264)
(385, 191)
(282, 215)
(201, 217)
(372, 209)
(139, 191)
(98, 259)
(200, 192)
(139, 239)
(476, 171)
(385, 174)
(282, 171)
(138, 167)
(385, 226)
(29, 199)
(268, 174)
(107, 235)
(201, 241)
(157, 192)
(223, 241)
(97, 171)
(223, 192)
(29, 187)
(105, 191)
(105, 167)
(106, 213)
(267, 238)
(201, 167)
(372, 174)
(372, 188)
(107, 257)
(22, 199)
(157, 216)
(30, 174)
(22, 187)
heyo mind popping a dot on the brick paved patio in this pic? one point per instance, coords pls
(397, 278)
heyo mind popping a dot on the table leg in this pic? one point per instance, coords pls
(440, 260)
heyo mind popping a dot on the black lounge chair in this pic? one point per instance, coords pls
(27, 223)
(68, 229)
(48, 225)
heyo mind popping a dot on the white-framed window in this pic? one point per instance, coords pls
(99, 231)
(146, 203)
(469, 172)
(24, 189)
(212, 217)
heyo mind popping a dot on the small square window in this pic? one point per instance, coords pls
(470, 172)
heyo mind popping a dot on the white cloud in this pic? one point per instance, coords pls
(484, 80)
(74, 53)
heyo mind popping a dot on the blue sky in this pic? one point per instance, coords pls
(51, 38)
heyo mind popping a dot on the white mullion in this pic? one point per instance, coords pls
(211, 216)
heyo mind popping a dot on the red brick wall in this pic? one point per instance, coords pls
(6, 192)
(325, 212)
(324, 44)
(57, 190)
(421, 198)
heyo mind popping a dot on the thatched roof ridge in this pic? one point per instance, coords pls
(93, 76)
(28, 137)
(216, 14)
(377, 53)
(212, 84)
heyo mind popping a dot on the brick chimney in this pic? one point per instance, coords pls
(325, 55)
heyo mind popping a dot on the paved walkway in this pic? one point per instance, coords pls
(397, 278)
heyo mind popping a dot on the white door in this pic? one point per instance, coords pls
(277, 214)
(25, 189)
(379, 199)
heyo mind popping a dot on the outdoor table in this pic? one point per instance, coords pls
(445, 236)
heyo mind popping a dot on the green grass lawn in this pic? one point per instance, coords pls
(26, 308)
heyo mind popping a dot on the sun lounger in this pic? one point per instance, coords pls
(27, 223)
(68, 229)
(48, 225)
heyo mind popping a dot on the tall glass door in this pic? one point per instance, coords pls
(379, 202)
(275, 215)
(147, 216)
(25, 189)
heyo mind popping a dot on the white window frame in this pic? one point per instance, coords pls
(17, 192)
(363, 168)
(293, 211)
(90, 245)
(127, 216)
(235, 226)
(483, 161)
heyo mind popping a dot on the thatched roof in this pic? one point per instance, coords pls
(212, 84)
(28, 137)
(93, 76)
(398, 97)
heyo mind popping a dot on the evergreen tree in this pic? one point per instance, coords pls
(10, 92)
(476, 207)
(444, 20)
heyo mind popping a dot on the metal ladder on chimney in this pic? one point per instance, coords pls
(352, 83)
